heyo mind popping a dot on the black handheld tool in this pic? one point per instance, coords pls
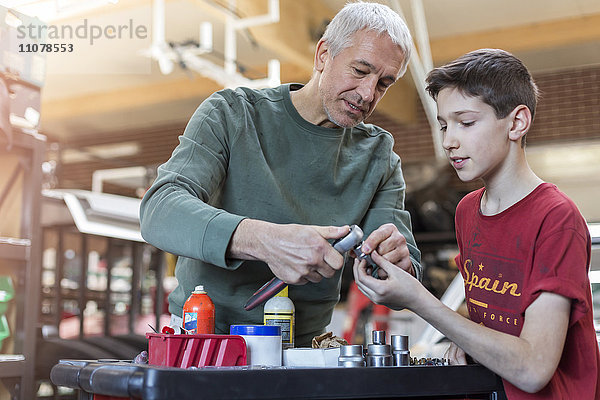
(351, 241)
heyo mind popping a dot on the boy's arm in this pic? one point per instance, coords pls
(527, 361)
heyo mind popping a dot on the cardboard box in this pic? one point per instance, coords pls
(307, 357)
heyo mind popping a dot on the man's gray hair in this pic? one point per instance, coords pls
(369, 16)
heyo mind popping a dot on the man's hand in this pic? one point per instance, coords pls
(391, 244)
(297, 254)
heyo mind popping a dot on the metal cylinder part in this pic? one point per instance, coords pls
(379, 355)
(378, 337)
(399, 342)
(351, 356)
(400, 352)
(401, 358)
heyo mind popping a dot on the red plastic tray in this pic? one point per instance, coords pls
(186, 351)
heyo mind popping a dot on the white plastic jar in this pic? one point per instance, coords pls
(263, 343)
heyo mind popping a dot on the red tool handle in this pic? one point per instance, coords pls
(263, 294)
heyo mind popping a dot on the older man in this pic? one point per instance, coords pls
(263, 180)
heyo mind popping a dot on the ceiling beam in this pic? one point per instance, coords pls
(295, 36)
(143, 96)
(124, 99)
(520, 38)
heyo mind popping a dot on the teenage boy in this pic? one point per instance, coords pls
(524, 248)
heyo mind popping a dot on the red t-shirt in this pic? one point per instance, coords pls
(540, 244)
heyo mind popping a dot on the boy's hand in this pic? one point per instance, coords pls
(455, 355)
(391, 244)
(398, 290)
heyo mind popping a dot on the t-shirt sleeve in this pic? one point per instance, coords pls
(561, 266)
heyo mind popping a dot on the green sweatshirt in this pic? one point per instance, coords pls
(249, 154)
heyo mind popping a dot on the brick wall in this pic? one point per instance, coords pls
(569, 108)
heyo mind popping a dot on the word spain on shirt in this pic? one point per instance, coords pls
(483, 292)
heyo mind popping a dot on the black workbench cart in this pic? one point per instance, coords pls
(125, 380)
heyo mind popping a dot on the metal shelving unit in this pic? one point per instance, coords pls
(23, 258)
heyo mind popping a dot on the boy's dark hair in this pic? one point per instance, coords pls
(496, 76)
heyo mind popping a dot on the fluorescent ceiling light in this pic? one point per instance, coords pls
(105, 152)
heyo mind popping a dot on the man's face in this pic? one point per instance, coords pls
(352, 83)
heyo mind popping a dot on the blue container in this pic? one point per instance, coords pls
(263, 343)
(255, 330)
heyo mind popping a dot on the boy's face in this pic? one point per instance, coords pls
(475, 140)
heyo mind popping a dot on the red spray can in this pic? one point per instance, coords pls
(199, 313)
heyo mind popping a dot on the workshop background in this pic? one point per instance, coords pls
(85, 121)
